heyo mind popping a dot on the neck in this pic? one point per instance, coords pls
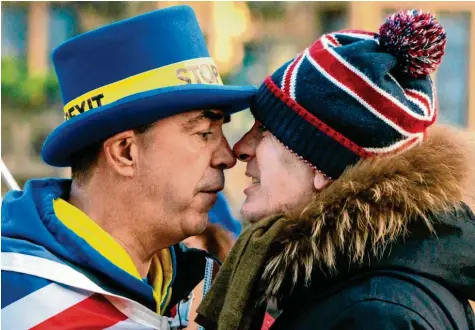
(115, 215)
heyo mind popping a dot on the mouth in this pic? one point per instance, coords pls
(255, 183)
(214, 190)
(254, 178)
(209, 197)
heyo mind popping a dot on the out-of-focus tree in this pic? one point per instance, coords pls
(24, 92)
(93, 14)
(268, 10)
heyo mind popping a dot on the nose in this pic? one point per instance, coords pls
(245, 148)
(223, 157)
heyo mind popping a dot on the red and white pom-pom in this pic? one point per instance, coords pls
(416, 39)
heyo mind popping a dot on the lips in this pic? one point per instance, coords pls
(256, 181)
(213, 190)
(208, 199)
(255, 178)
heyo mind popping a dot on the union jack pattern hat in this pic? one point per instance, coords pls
(355, 94)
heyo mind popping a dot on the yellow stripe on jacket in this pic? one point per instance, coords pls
(161, 270)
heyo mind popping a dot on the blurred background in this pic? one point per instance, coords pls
(248, 40)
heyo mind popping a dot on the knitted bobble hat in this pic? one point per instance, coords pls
(354, 94)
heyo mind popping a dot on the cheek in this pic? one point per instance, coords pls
(186, 176)
(269, 159)
(185, 159)
(276, 164)
(283, 176)
(171, 172)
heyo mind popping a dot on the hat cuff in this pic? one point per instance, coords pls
(139, 109)
(300, 136)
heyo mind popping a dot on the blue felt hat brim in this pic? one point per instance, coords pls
(136, 110)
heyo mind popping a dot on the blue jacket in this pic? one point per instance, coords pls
(221, 214)
(39, 250)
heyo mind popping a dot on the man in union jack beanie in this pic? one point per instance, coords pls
(361, 206)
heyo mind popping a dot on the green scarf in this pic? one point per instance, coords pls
(232, 302)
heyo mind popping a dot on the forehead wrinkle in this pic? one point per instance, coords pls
(193, 122)
(208, 115)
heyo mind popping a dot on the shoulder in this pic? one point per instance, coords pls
(22, 265)
(17, 248)
(378, 302)
(404, 298)
(380, 314)
(340, 312)
(20, 286)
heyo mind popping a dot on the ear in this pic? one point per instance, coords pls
(121, 153)
(320, 181)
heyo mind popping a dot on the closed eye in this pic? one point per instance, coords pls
(205, 135)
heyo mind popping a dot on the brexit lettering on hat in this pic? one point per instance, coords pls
(195, 71)
(135, 72)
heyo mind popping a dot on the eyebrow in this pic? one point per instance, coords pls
(206, 114)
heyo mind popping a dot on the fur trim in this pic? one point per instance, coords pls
(371, 205)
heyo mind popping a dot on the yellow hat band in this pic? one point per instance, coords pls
(196, 71)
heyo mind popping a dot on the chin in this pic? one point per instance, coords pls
(195, 224)
(253, 213)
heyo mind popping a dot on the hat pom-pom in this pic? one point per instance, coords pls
(416, 39)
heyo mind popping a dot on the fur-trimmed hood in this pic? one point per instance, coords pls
(376, 205)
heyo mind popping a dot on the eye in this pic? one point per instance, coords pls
(205, 135)
(262, 128)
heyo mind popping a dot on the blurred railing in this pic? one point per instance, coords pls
(7, 177)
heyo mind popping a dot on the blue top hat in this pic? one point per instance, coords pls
(132, 73)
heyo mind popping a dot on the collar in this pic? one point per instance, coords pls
(162, 268)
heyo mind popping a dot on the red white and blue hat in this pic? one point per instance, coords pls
(354, 94)
(132, 73)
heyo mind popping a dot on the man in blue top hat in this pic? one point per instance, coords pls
(144, 107)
